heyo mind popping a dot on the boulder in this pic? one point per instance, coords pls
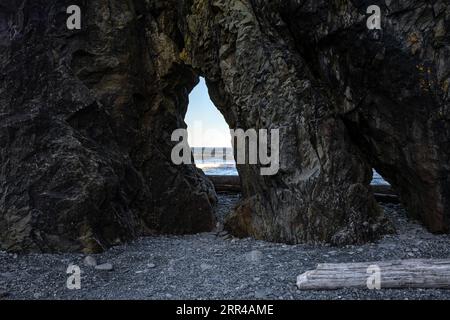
(346, 99)
(86, 118)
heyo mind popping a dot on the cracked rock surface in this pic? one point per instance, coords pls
(86, 118)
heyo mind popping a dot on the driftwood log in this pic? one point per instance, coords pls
(383, 193)
(226, 183)
(415, 273)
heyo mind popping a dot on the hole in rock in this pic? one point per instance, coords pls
(378, 180)
(210, 140)
(388, 199)
(209, 134)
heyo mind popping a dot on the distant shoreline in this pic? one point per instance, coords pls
(219, 161)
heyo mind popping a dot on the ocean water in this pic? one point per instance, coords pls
(220, 162)
(215, 161)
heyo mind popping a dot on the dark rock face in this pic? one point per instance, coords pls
(260, 80)
(390, 88)
(86, 117)
(398, 110)
(345, 98)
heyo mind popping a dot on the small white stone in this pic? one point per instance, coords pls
(205, 267)
(7, 275)
(151, 265)
(261, 293)
(37, 295)
(104, 267)
(141, 271)
(254, 256)
(90, 261)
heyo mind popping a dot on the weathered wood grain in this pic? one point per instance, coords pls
(414, 273)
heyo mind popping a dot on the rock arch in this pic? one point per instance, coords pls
(86, 118)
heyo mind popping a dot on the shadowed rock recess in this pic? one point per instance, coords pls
(86, 117)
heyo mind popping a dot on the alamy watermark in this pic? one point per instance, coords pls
(74, 20)
(250, 147)
(74, 280)
(374, 21)
(374, 280)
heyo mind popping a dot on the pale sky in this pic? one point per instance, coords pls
(206, 125)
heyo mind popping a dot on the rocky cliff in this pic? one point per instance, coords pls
(86, 117)
(86, 122)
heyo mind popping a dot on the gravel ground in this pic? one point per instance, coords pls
(215, 266)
